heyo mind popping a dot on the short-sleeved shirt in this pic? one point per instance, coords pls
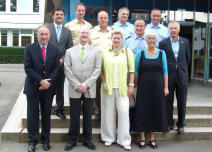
(138, 58)
(127, 29)
(101, 40)
(161, 30)
(135, 43)
(75, 26)
(108, 69)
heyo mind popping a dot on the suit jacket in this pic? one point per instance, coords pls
(182, 62)
(36, 69)
(65, 41)
(78, 71)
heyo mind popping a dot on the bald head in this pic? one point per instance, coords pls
(84, 35)
(103, 19)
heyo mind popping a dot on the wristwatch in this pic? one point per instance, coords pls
(131, 85)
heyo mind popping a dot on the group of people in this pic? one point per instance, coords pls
(103, 65)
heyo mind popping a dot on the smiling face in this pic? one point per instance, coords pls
(139, 27)
(43, 35)
(117, 39)
(84, 35)
(151, 41)
(155, 17)
(80, 11)
(58, 17)
(123, 16)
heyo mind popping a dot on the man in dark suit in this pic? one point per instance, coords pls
(61, 37)
(41, 64)
(178, 57)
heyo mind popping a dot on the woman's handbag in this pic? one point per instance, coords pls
(132, 99)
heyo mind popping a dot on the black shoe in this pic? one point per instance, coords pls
(46, 146)
(142, 146)
(90, 145)
(70, 146)
(31, 148)
(98, 117)
(154, 146)
(61, 115)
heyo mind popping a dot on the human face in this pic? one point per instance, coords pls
(174, 30)
(151, 41)
(155, 17)
(123, 16)
(58, 17)
(43, 35)
(80, 11)
(139, 27)
(84, 35)
(103, 19)
(116, 40)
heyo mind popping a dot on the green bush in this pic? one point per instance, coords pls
(11, 55)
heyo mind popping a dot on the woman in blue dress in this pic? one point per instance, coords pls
(151, 77)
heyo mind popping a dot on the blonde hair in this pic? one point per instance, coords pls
(117, 32)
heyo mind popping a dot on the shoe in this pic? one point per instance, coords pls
(142, 146)
(170, 128)
(90, 145)
(98, 117)
(128, 147)
(46, 146)
(61, 115)
(31, 148)
(70, 146)
(108, 143)
(154, 146)
(180, 130)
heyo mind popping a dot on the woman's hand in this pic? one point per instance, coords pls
(166, 91)
(130, 91)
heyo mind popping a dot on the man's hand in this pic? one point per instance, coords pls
(130, 91)
(82, 88)
(44, 84)
(61, 61)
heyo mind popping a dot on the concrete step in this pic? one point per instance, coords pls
(198, 133)
(56, 122)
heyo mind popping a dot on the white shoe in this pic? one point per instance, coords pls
(128, 147)
(108, 143)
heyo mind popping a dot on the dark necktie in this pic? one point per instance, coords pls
(43, 53)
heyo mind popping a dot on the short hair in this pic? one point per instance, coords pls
(140, 19)
(79, 4)
(43, 25)
(150, 32)
(58, 9)
(101, 12)
(123, 8)
(155, 9)
(117, 32)
(174, 22)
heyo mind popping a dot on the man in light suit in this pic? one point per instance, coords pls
(82, 68)
(178, 57)
(61, 37)
(41, 64)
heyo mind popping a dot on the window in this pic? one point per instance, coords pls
(35, 36)
(2, 5)
(15, 37)
(25, 40)
(3, 37)
(26, 31)
(13, 6)
(36, 5)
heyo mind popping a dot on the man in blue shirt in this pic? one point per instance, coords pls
(162, 31)
(126, 27)
(136, 41)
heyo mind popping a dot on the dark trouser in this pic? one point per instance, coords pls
(33, 117)
(97, 105)
(60, 91)
(87, 108)
(181, 95)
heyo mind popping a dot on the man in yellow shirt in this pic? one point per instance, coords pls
(76, 24)
(101, 38)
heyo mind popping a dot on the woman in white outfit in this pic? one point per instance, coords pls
(116, 90)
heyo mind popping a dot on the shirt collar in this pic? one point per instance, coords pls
(85, 46)
(98, 28)
(83, 22)
(119, 24)
(173, 40)
(121, 49)
(152, 26)
(136, 36)
(42, 45)
(55, 25)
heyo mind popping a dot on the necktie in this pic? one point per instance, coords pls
(58, 33)
(43, 53)
(82, 52)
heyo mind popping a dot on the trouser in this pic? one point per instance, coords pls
(33, 117)
(87, 107)
(112, 104)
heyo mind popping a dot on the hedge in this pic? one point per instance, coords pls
(11, 55)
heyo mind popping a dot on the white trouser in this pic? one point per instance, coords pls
(110, 105)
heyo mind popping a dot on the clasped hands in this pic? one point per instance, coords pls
(45, 84)
(82, 88)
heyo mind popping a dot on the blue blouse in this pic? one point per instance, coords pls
(164, 61)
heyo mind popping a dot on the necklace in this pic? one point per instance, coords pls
(151, 53)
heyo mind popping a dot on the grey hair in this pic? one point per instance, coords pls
(102, 12)
(150, 32)
(174, 22)
(123, 8)
(43, 25)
